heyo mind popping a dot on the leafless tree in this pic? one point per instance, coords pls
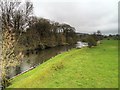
(15, 17)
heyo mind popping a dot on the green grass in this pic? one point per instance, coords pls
(95, 67)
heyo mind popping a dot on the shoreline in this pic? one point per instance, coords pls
(67, 63)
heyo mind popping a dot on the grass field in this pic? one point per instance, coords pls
(95, 67)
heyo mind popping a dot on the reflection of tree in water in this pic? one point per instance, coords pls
(18, 70)
(34, 59)
(28, 61)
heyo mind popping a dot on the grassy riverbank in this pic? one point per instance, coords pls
(95, 67)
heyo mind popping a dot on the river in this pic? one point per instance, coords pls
(35, 58)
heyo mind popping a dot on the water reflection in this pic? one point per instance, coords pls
(34, 58)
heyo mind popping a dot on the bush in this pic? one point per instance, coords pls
(91, 41)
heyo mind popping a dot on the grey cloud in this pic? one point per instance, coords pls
(84, 15)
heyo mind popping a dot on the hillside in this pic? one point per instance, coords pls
(95, 67)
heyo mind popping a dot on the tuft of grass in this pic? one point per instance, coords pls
(95, 67)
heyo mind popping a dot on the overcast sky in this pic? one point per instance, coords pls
(87, 16)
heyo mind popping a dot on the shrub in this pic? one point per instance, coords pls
(91, 41)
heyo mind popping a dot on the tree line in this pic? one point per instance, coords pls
(21, 29)
(47, 33)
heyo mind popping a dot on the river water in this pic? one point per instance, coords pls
(35, 58)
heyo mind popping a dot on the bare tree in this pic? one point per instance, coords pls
(98, 32)
(15, 18)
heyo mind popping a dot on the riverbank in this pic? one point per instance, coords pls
(95, 67)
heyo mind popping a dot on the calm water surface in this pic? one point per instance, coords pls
(35, 58)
